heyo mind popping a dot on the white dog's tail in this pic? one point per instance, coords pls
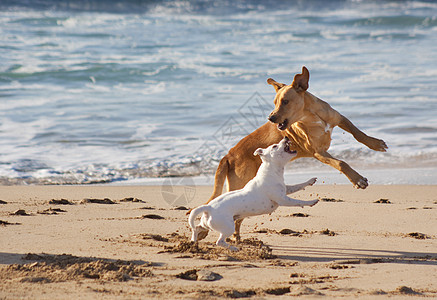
(195, 212)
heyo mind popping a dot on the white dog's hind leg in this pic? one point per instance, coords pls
(196, 231)
(298, 187)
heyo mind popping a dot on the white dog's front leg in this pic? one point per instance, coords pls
(226, 228)
(298, 187)
(222, 242)
(287, 201)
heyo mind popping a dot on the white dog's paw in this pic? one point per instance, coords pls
(314, 202)
(312, 181)
(233, 248)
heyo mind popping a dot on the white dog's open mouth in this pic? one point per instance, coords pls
(287, 148)
(283, 125)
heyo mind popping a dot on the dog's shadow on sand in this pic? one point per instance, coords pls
(353, 256)
(49, 268)
(11, 258)
(20, 258)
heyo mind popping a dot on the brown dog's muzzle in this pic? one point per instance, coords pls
(274, 119)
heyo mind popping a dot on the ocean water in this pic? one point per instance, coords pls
(120, 91)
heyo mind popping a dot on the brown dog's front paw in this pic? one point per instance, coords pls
(362, 183)
(378, 145)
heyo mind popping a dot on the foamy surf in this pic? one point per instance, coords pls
(90, 95)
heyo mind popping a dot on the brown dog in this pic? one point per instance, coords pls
(307, 121)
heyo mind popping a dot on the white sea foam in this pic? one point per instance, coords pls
(90, 96)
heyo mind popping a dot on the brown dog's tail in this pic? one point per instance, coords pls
(219, 179)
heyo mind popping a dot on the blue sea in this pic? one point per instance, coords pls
(95, 91)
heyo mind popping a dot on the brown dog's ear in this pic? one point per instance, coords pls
(259, 152)
(300, 81)
(275, 84)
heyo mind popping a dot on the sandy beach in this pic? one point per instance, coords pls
(127, 242)
(115, 115)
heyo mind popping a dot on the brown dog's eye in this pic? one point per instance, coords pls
(285, 102)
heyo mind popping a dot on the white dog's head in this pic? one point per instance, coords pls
(280, 153)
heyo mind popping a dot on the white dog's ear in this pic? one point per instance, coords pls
(259, 152)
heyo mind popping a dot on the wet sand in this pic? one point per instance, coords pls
(113, 242)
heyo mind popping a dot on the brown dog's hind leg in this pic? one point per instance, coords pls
(371, 142)
(358, 181)
(237, 230)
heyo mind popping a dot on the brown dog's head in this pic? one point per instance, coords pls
(289, 100)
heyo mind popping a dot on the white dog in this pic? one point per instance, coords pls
(262, 195)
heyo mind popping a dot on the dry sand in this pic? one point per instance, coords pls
(346, 246)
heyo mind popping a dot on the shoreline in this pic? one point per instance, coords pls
(382, 175)
(342, 247)
(325, 175)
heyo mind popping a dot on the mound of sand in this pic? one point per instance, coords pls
(59, 268)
